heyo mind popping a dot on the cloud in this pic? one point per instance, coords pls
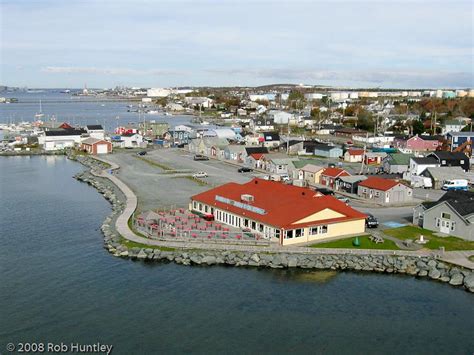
(108, 71)
(410, 78)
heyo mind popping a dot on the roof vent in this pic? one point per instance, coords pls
(247, 198)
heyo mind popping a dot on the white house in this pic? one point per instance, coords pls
(280, 117)
(60, 139)
(95, 131)
(418, 165)
(131, 140)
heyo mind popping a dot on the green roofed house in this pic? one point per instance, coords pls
(396, 163)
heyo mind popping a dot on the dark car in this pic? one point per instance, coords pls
(324, 191)
(371, 221)
(244, 169)
(141, 153)
(200, 157)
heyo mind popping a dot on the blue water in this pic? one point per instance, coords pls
(57, 284)
(76, 110)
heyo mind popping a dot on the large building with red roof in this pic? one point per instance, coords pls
(384, 191)
(282, 213)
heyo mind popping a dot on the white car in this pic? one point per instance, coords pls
(200, 174)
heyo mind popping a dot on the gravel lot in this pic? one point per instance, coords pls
(157, 188)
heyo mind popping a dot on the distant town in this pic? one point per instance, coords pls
(406, 151)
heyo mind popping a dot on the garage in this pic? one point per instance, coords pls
(96, 146)
(102, 149)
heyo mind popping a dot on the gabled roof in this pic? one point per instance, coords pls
(311, 168)
(64, 132)
(355, 152)
(334, 172)
(257, 156)
(91, 141)
(449, 155)
(280, 205)
(425, 161)
(446, 173)
(399, 159)
(65, 125)
(461, 201)
(380, 184)
(324, 147)
(252, 150)
(460, 134)
(94, 127)
(352, 179)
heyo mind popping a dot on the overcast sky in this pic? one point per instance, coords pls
(68, 43)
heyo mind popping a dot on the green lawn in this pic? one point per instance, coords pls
(365, 243)
(412, 232)
(156, 164)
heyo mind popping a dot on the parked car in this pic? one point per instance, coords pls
(200, 174)
(343, 199)
(141, 153)
(457, 184)
(244, 169)
(200, 157)
(371, 221)
(324, 191)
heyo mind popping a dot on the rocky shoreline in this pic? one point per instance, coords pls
(419, 266)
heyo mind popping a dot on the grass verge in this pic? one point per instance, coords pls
(130, 244)
(189, 177)
(434, 242)
(168, 169)
(365, 243)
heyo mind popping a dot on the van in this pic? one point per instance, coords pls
(459, 184)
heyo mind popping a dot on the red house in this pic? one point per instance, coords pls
(418, 143)
(329, 175)
(96, 146)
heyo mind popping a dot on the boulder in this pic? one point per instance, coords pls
(469, 281)
(255, 258)
(209, 260)
(432, 263)
(292, 261)
(434, 274)
(142, 254)
(456, 279)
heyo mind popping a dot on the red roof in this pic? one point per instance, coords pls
(356, 151)
(65, 125)
(256, 156)
(335, 172)
(378, 183)
(283, 204)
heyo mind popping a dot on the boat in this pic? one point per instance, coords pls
(168, 113)
(153, 112)
(39, 114)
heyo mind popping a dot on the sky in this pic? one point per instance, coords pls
(144, 43)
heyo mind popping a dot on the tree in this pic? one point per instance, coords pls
(418, 127)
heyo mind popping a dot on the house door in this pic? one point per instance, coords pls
(445, 226)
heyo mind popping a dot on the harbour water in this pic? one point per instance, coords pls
(78, 110)
(57, 284)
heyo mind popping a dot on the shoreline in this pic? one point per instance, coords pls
(121, 241)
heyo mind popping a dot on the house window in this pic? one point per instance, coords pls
(437, 222)
(288, 234)
(200, 207)
(277, 233)
(260, 227)
(205, 209)
(462, 161)
(443, 162)
(254, 225)
(377, 194)
(246, 222)
(453, 225)
(445, 215)
(313, 230)
(194, 204)
(323, 229)
(299, 232)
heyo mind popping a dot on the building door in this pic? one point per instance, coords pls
(445, 226)
(102, 149)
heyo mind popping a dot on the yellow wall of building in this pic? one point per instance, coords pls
(334, 230)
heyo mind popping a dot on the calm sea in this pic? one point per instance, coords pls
(57, 284)
(77, 110)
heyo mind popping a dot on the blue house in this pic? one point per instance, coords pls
(327, 151)
(456, 139)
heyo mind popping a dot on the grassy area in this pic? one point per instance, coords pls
(471, 258)
(130, 244)
(412, 232)
(365, 243)
(189, 177)
(156, 164)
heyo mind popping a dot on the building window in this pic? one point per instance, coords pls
(299, 232)
(194, 204)
(445, 215)
(246, 222)
(453, 225)
(260, 227)
(462, 161)
(377, 194)
(200, 207)
(205, 209)
(324, 229)
(288, 234)
(277, 233)
(437, 222)
(254, 225)
(443, 162)
(313, 230)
